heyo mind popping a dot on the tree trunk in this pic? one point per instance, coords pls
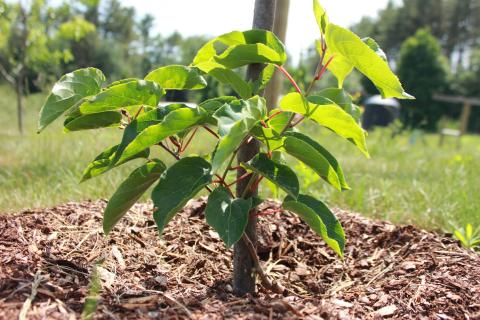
(274, 87)
(19, 93)
(243, 274)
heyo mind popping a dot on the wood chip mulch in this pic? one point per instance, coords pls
(46, 258)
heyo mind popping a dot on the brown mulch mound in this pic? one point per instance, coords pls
(46, 258)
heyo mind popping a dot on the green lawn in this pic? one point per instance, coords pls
(421, 183)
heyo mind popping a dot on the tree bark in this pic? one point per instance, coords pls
(19, 93)
(243, 265)
(274, 87)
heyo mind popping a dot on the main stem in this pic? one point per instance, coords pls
(243, 263)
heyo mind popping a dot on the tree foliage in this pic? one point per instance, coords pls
(133, 105)
(423, 70)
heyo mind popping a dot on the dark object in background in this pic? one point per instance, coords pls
(379, 112)
(176, 96)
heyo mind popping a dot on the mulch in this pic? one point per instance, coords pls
(47, 255)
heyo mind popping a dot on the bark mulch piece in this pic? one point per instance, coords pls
(46, 258)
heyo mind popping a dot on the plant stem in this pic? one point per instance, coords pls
(266, 282)
(189, 140)
(243, 262)
(290, 78)
(169, 151)
(211, 131)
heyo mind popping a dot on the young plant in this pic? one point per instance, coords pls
(133, 105)
(468, 236)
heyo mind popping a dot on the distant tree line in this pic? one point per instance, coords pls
(39, 42)
(435, 45)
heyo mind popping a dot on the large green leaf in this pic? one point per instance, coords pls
(263, 79)
(69, 91)
(92, 121)
(226, 76)
(340, 66)
(233, 80)
(316, 157)
(104, 162)
(130, 191)
(229, 217)
(124, 95)
(142, 122)
(235, 120)
(320, 16)
(344, 43)
(174, 122)
(328, 114)
(278, 173)
(343, 99)
(320, 219)
(240, 55)
(212, 105)
(241, 48)
(177, 77)
(181, 182)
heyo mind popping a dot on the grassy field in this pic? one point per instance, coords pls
(405, 183)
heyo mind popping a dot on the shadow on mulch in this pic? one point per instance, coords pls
(388, 271)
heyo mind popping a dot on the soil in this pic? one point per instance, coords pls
(47, 255)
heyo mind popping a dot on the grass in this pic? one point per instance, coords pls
(423, 184)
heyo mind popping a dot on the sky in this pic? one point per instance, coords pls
(215, 17)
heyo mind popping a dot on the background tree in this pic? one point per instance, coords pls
(422, 69)
(27, 46)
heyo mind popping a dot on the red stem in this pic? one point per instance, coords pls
(324, 68)
(189, 140)
(239, 179)
(211, 131)
(290, 78)
(255, 185)
(274, 115)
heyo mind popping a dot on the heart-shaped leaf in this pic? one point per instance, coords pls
(229, 217)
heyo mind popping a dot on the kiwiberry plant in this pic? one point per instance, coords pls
(134, 105)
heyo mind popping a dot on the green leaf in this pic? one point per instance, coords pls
(469, 231)
(328, 114)
(320, 16)
(278, 173)
(460, 237)
(104, 162)
(130, 191)
(316, 157)
(241, 48)
(142, 122)
(342, 99)
(226, 76)
(241, 55)
(340, 66)
(344, 43)
(124, 95)
(320, 219)
(69, 91)
(181, 182)
(235, 120)
(174, 122)
(212, 105)
(263, 79)
(121, 81)
(279, 121)
(177, 77)
(93, 121)
(375, 47)
(227, 216)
